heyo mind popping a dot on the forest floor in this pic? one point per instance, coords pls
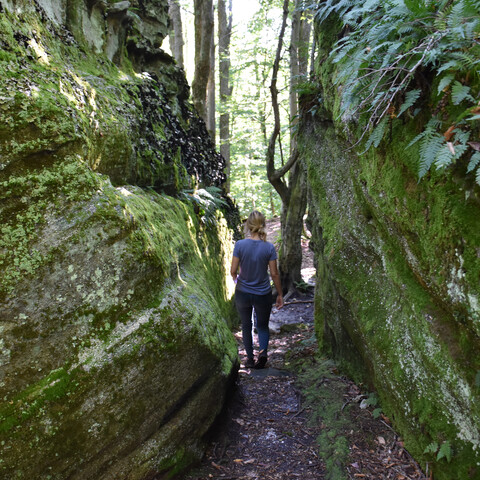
(300, 417)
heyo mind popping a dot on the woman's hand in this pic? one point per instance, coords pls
(234, 268)
(279, 302)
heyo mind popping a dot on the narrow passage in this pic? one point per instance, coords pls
(300, 418)
(311, 424)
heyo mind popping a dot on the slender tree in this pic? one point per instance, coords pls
(293, 193)
(176, 31)
(211, 107)
(203, 10)
(294, 72)
(224, 37)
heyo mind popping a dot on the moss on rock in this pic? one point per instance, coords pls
(397, 279)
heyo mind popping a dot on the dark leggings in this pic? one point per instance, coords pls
(245, 302)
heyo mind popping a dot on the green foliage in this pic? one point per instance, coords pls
(252, 57)
(395, 54)
(206, 202)
(442, 451)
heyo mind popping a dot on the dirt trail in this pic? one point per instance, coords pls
(299, 418)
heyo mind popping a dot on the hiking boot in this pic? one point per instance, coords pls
(250, 363)
(262, 360)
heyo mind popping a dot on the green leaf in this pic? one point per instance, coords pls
(377, 412)
(477, 176)
(451, 64)
(372, 400)
(432, 448)
(429, 150)
(377, 134)
(444, 157)
(460, 92)
(445, 452)
(475, 117)
(410, 98)
(444, 82)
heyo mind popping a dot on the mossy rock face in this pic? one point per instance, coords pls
(129, 118)
(397, 298)
(115, 344)
(116, 350)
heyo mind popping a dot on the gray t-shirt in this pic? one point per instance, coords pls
(254, 256)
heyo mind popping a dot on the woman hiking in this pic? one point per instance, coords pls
(255, 256)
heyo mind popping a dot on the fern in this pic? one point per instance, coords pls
(461, 140)
(445, 451)
(388, 44)
(443, 157)
(206, 202)
(377, 134)
(429, 151)
(410, 98)
(431, 448)
(460, 92)
(477, 176)
(445, 82)
(474, 161)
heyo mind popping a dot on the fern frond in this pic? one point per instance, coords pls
(377, 134)
(452, 64)
(461, 137)
(444, 157)
(477, 176)
(460, 92)
(474, 162)
(410, 98)
(429, 149)
(445, 81)
(430, 128)
(445, 451)
(467, 61)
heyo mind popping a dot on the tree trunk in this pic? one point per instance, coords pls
(304, 44)
(203, 23)
(224, 36)
(176, 31)
(294, 194)
(294, 73)
(211, 107)
(292, 227)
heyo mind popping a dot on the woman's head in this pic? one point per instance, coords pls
(255, 224)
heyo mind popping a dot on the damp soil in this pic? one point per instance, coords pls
(300, 417)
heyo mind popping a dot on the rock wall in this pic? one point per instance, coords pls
(115, 349)
(398, 265)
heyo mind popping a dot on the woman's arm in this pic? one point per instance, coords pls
(234, 268)
(272, 264)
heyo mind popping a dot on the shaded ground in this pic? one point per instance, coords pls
(299, 418)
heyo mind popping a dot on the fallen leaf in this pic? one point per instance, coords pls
(381, 440)
(451, 148)
(475, 145)
(238, 460)
(449, 133)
